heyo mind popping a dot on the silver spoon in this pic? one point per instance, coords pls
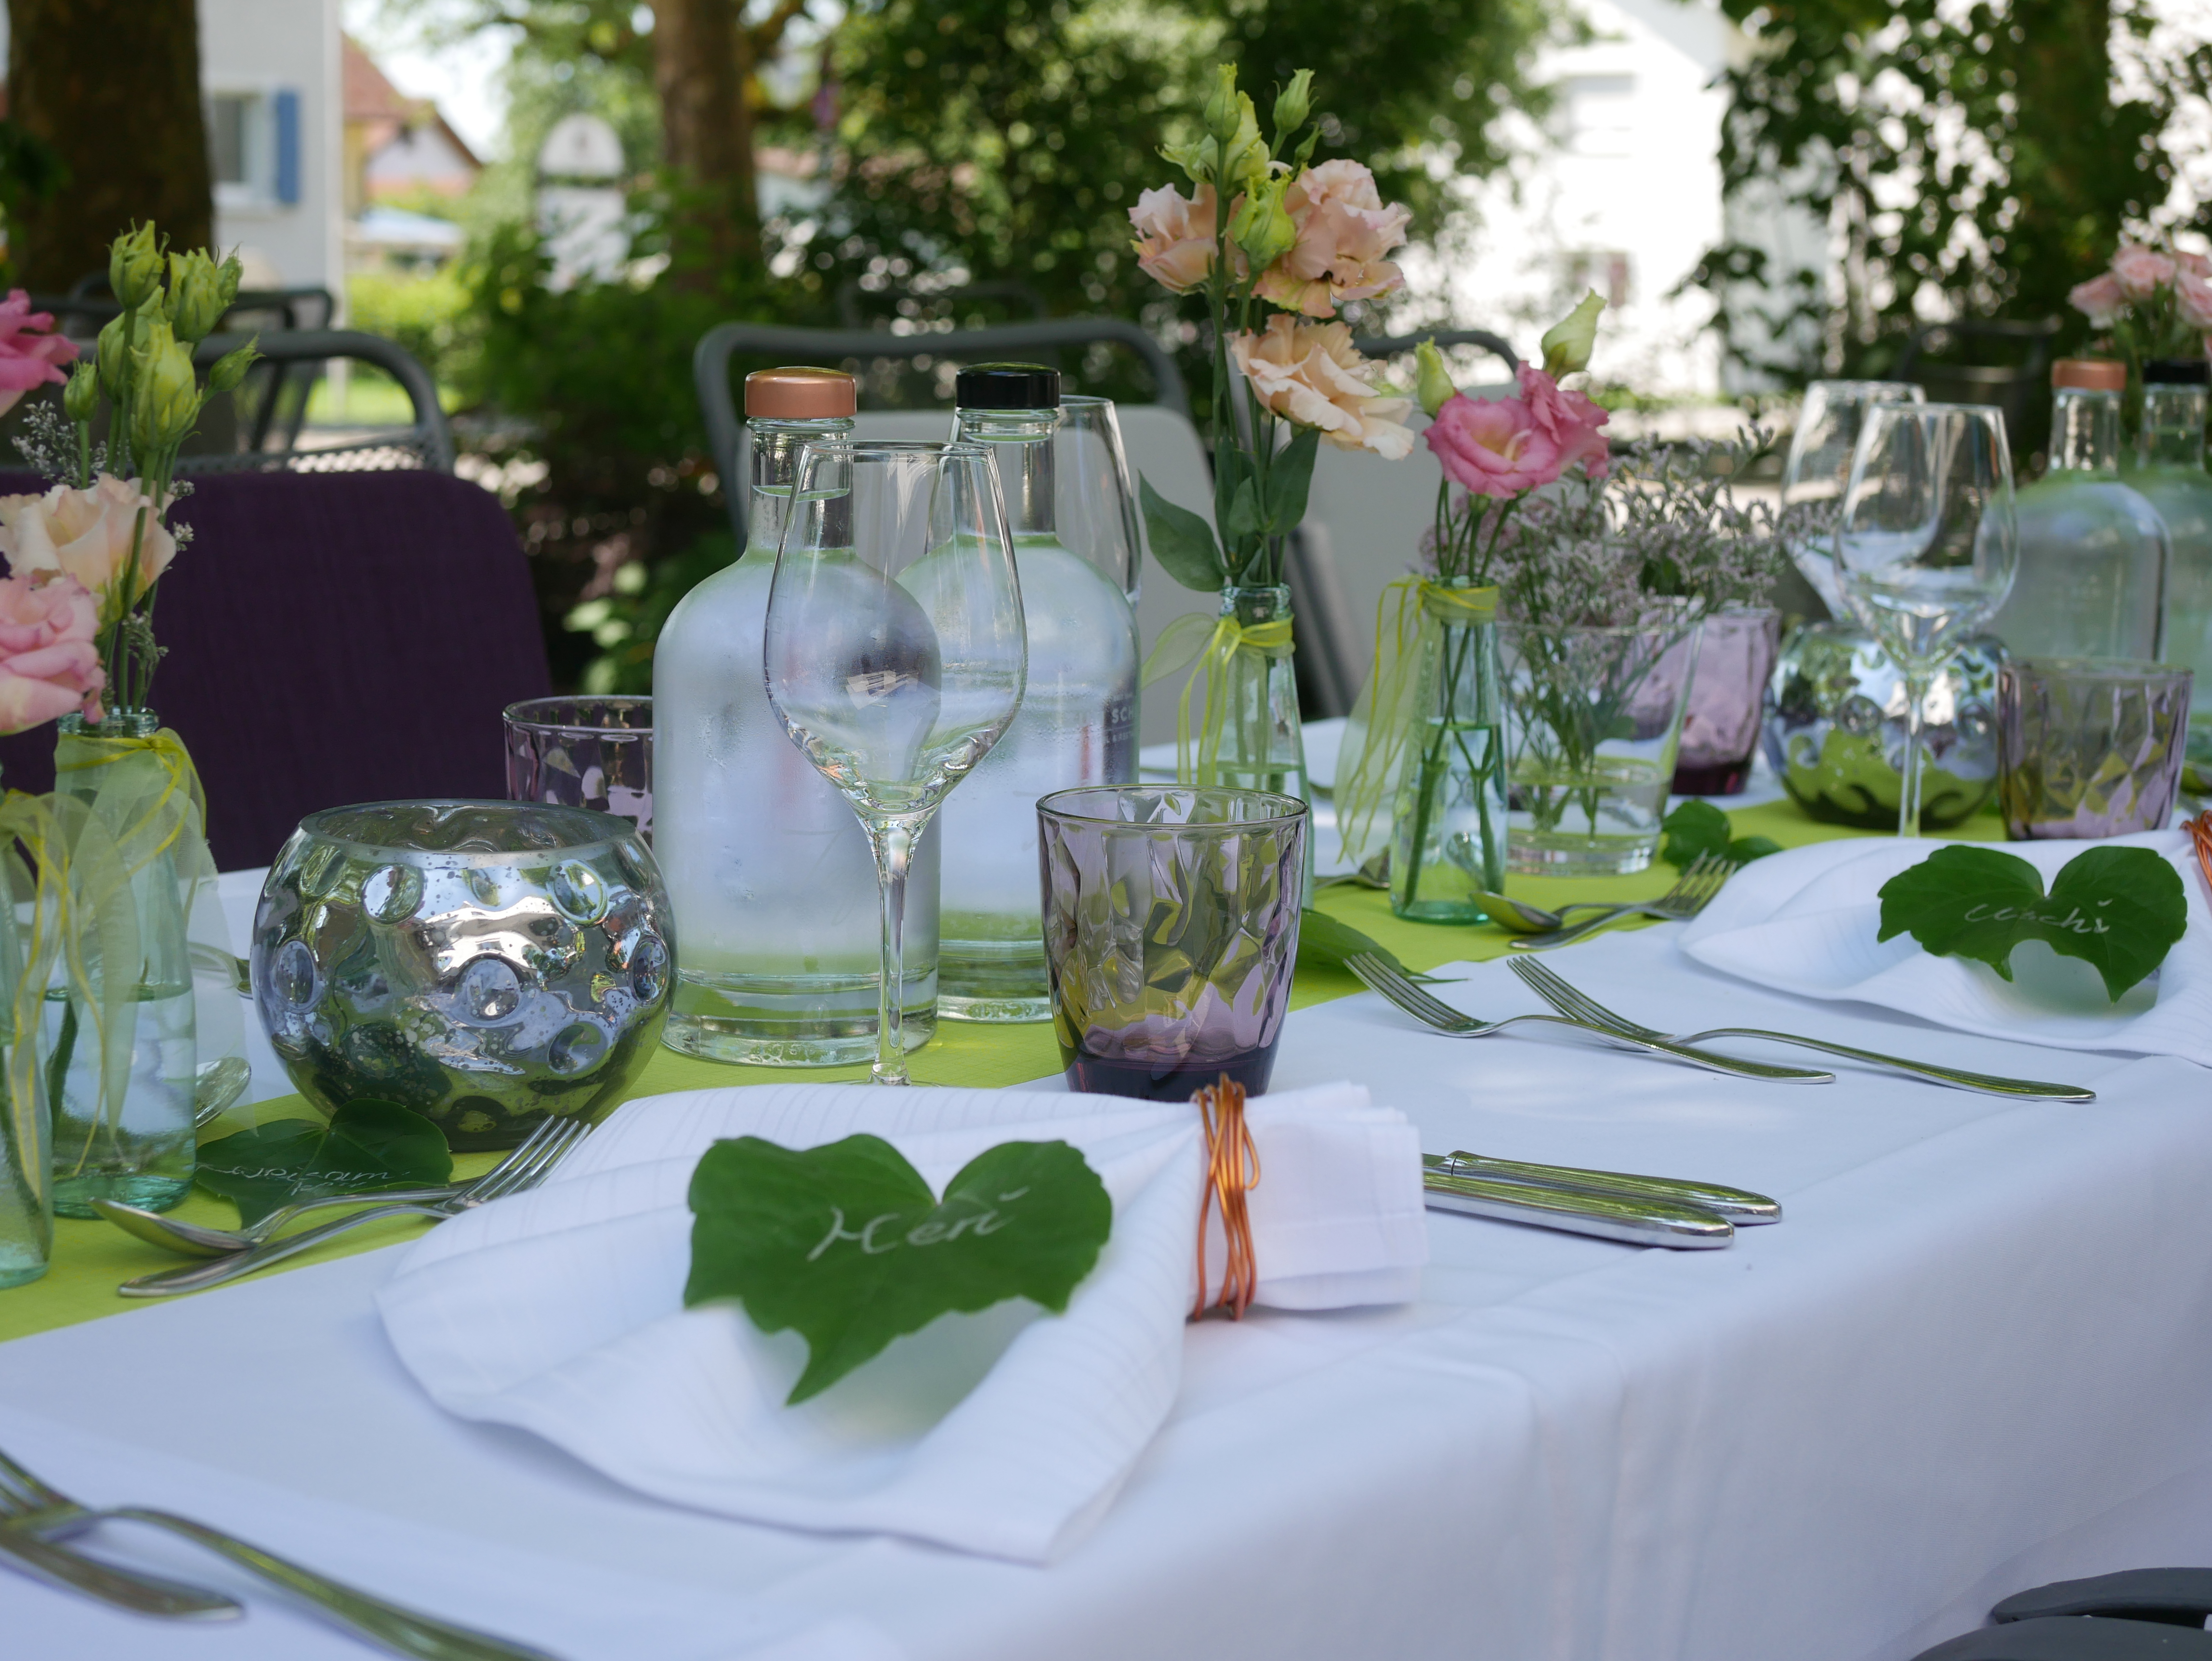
(195, 1240)
(1519, 917)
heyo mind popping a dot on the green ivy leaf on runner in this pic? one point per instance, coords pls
(2120, 910)
(1699, 827)
(367, 1146)
(846, 1244)
(1323, 939)
(1182, 541)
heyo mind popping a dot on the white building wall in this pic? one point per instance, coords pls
(264, 50)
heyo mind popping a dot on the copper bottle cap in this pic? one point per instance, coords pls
(799, 394)
(2090, 375)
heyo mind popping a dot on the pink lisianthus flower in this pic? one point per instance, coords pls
(1175, 237)
(31, 354)
(2141, 270)
(1311, 374)
(2101, 297)
(49, 664)
(1492, 447)
(1344, 231)
(2192, 298)
(1570, 420)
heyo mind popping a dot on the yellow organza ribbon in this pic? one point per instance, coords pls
(1413, 610)
(1213, 644)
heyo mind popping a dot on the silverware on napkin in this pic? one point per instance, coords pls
(1740, 1206)
(126, 1589)
(1569, 1001)
(1645, 1220)
(30, 1509)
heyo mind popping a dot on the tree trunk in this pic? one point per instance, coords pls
(700, 70)
(114, 86)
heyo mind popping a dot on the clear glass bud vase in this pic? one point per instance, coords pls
(26, 1208)
(1447, 836)
(1250, 738)
(122, 1107)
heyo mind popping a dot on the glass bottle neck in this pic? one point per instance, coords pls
(775, 446)
(1021, 445)
(2085, 431)
(2174, 426)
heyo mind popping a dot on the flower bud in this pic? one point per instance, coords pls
(197, 301)
(114, 356)
(1261, 226)
(1244, 158)
(164, 396)
(1221, 105)
(1568, 344)
(1196, 159)
(1433, 383)
(1293, 105)
(229, 372)
(81, 396)
(134, 266)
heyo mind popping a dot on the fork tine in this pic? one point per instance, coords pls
(1393, 983)
(523, 1151)
(549, 1152)
(20, 1491)
(1566, 998)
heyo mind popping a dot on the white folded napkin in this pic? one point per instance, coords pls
(1006, 1432)
(1805, 921)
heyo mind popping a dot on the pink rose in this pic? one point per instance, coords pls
(2192, 297)
(1311, 374)
(1492, 447)
(30, 355)
(49, 664)
(1175, 238)
(1344, 231)
(2101, 297)
(88, 534)
(2141, 270)
(1570, 420)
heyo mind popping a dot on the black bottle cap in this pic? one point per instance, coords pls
(1007, 386)
(2177, 372)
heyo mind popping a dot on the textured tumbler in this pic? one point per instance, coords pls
(1170, 934)
(594, 752)
(2089, 746)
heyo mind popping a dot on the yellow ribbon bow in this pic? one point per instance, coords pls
(1213, 644)
(1413, 610)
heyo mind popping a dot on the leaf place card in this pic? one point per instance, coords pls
(846, 1244)
(367, 1146)
(2119, 909)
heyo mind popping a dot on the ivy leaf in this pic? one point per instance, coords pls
(367, 1146)
(846, 1244)
(1323, 939)
(2120, 909)
(1181, 541)
(1699, 827)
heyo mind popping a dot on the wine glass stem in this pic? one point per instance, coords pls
(893, 841)
(1908, 796)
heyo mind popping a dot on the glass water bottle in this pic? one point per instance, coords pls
(2170, 473)
(2093, 552)
(1077, 725)
(777, 932)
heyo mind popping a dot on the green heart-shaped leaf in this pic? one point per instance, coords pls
(846, 1244)
(367, 1146)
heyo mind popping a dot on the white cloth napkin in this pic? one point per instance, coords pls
(1006, 1432)
(1805, 921)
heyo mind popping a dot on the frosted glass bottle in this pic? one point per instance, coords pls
(777, 926)
(1077, 725)
(2170, 473)
(2093, 552)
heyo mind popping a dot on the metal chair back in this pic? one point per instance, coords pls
(2021, 389)
(272, 408)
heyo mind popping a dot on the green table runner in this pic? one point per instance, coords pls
(90, 1259)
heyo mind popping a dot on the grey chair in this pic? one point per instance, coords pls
(1391, 345)
(2021, 388)
(271, 409)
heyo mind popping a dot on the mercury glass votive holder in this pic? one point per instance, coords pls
(2089, 746)
(1170, 934)
(594, 752)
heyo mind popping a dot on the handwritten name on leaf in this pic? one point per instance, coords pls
(367, 1146)
(2119, 909)
(847, 1245)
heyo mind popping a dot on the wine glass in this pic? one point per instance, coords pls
(1926, 544)
(896, 652)
(1818, 466)
(1095, 510)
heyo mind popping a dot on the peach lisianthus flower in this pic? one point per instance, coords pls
(49, 664)
(2141, 270)
(2101, 297)
(1344, 231)
(1569, 419)
(87, 534)
(1312, 375)
(31, 354)
(1175, 237)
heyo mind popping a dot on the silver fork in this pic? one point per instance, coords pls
(1569, 1000)
(127, 1589)
(1388, 979)
(512, 1177)
(198, 1240)
(32, 1508)
(1692, 891)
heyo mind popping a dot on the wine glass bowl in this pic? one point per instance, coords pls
(1818, 467)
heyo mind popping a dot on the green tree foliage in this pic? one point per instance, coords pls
(1974, 163)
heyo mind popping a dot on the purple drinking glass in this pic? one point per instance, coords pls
(1720, 730)
(1170, 934)
(2089, 746)
(593, 752)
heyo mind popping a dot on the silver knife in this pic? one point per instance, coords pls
(1650, 1222)
(1740, 1206)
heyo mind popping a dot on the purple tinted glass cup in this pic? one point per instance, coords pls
(1720, 730)
(593, 752)
(1170, 934)
(2089, 746)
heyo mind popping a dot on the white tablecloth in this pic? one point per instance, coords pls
(1977, 1355)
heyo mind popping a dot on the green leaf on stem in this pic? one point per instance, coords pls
(2120, 909)
(1182, 541)
(1289, 480)
(1243, 519)
(368, 1145)
(846, 1244)
(1323, 939)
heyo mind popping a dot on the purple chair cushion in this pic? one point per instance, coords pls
(332, 638)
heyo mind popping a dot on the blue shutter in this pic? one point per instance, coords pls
(288, 147)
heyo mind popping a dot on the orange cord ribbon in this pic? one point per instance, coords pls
(2200, 834)
(1232, 1162)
